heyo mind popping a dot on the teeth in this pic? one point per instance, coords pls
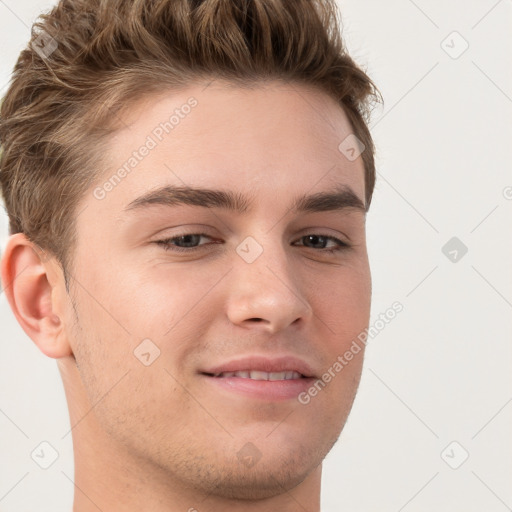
(258, 375)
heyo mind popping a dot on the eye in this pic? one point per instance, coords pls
(190, 242)
(183, 243)
(318, 241)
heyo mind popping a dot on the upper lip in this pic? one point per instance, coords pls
(284, 363)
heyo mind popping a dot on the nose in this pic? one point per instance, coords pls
(265, 294)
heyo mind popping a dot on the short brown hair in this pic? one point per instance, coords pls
(87, 59)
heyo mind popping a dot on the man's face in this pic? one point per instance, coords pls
(224, 296)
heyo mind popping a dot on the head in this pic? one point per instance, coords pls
(187, 183)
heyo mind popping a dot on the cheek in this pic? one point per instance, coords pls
(159, 299)
(343, 303)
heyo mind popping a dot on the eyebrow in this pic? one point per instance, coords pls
(341, 197)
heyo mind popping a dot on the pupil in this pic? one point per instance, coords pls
(315, 240)
(189, 240)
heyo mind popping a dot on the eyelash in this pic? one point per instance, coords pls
(167, 246)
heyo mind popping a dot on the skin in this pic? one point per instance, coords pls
(161, 437)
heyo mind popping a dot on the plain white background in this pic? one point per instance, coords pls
(428, 430)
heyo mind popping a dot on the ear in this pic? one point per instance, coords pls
(34, 287)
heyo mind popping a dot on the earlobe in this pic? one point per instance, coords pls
(32, 297)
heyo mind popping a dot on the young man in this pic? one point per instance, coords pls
(187, 185)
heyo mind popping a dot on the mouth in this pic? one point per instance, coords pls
(264, 377)
(258, 375)
(259, 385)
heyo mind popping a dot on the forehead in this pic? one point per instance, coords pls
(270, 139)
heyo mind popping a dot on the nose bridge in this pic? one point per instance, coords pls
(265, 290)
(264, 261)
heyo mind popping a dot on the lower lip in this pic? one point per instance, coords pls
(264, 389)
